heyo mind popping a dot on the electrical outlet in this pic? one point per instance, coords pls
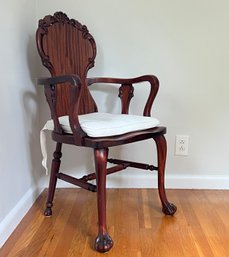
(181, 146)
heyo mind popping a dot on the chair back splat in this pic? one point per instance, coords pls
(66, 47)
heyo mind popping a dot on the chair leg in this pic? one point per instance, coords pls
(53, 178)
(167, 207)
(103, 242)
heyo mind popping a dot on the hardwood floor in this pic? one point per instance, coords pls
(135, 221)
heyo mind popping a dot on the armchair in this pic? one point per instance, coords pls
(68, 51)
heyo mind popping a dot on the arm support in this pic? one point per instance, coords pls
(51, 96)
(126, 90)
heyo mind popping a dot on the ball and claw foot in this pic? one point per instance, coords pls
(169, 208)
(48, 212)
(103, 243)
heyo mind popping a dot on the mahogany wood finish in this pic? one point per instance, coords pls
(68, 51)
(103, 242)
(53, 179)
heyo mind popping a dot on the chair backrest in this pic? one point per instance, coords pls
(66, 47)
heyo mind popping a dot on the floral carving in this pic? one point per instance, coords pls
(60, 17)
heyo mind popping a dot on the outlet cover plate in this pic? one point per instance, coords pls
(181, 145)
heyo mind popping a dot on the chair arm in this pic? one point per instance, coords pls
(73, 79)
(51, 96)
(126, 90)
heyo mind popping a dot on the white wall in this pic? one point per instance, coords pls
(20, 170)
(184, 43)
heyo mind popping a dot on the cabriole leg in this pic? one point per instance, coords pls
(52, 181)
(103, 242)
(167, 207)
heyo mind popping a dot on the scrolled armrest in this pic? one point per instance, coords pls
(127, 89)
(72, 79)
(50, 92)
(150, 78)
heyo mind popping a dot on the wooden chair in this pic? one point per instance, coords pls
(68, 51)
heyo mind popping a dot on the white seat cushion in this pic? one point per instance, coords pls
(107, 124)
(99, 125)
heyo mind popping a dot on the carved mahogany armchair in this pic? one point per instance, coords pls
(68, 51)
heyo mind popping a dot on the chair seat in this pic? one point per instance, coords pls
(107, 124)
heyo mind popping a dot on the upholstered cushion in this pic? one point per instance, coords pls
(99, 125)
(106, 124)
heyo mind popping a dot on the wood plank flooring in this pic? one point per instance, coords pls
(135, 221)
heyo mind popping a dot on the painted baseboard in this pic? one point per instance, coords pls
(172, 181)
(10, 222)
(198, 182)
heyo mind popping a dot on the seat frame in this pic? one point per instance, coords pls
(77, 93)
